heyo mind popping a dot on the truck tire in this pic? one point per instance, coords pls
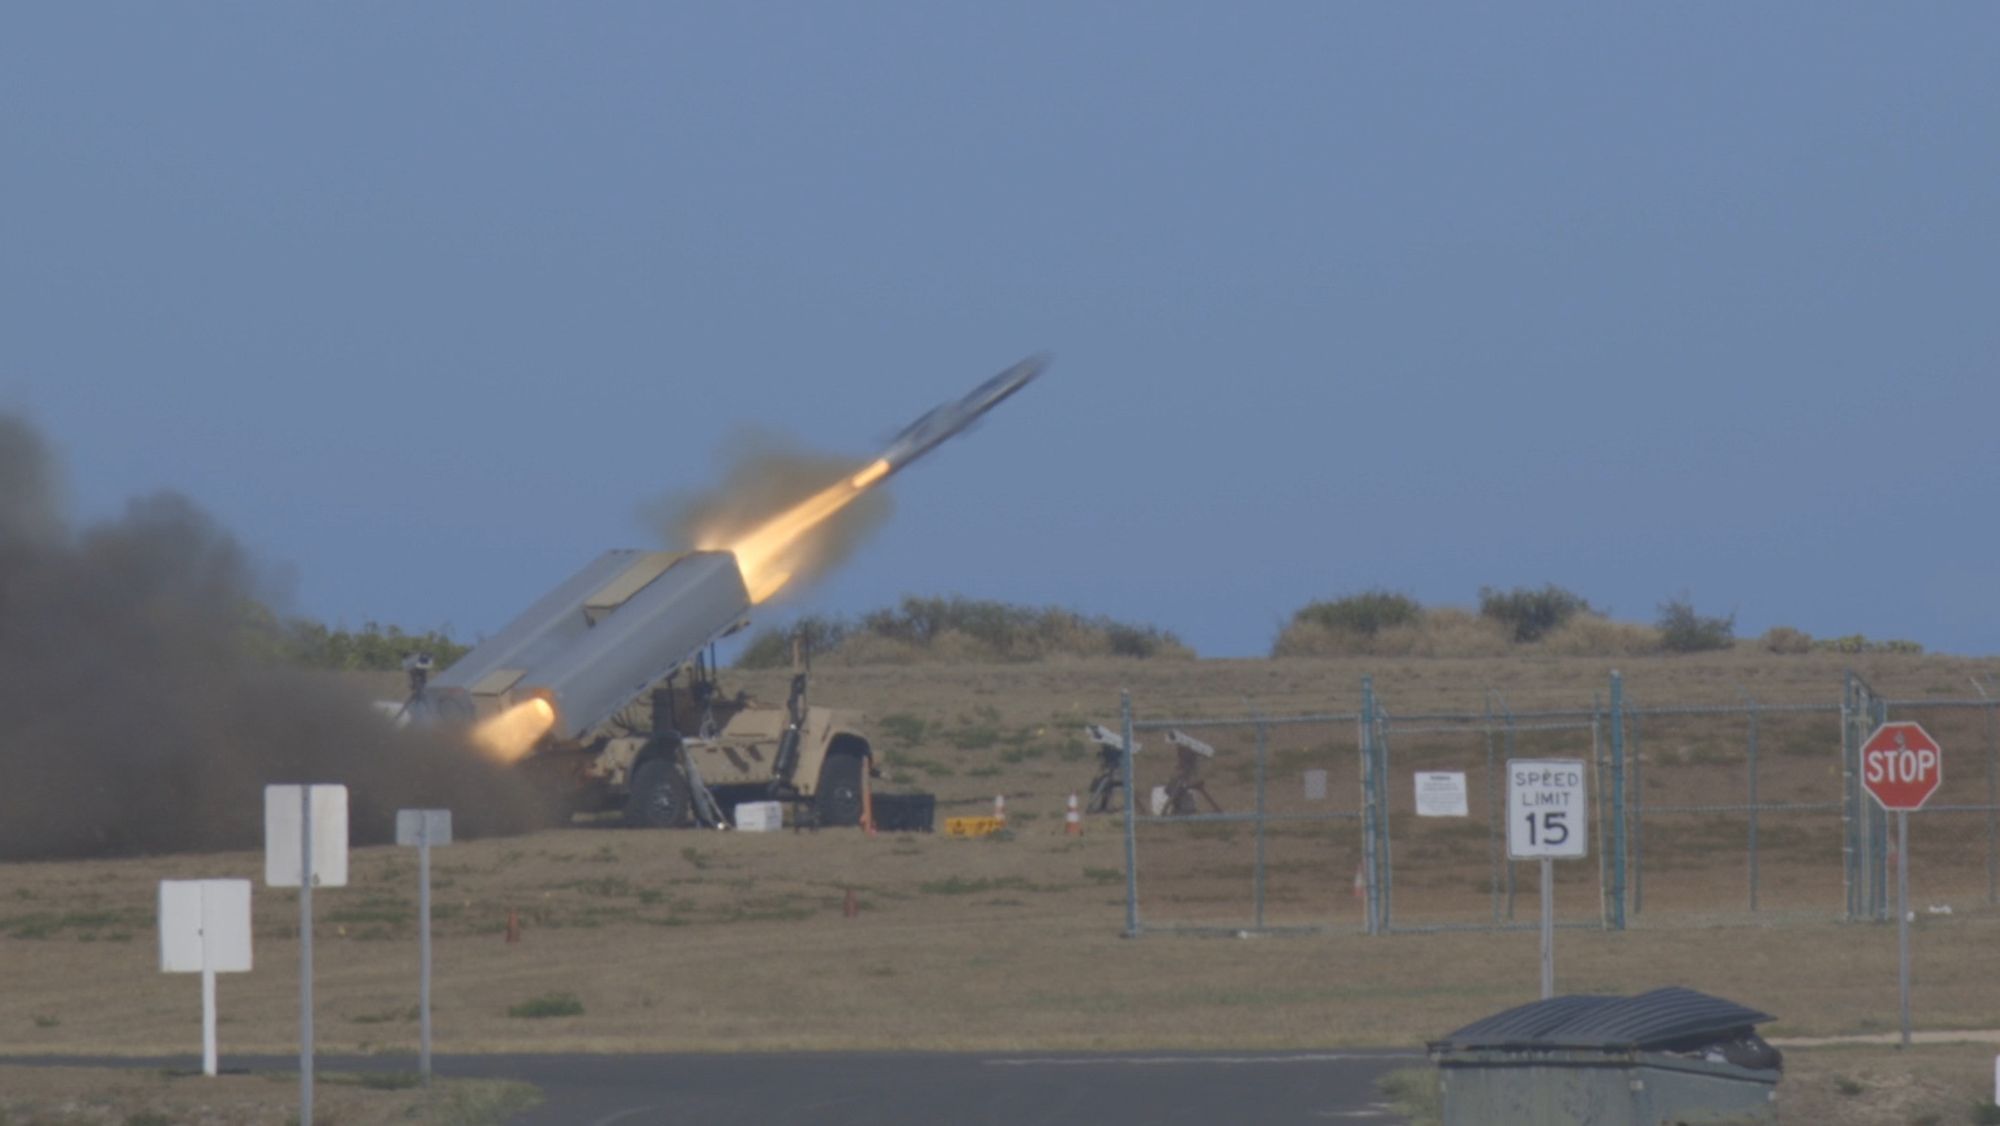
(838, 801)
(660, 796)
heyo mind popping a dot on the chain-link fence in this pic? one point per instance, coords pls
(1384, 821)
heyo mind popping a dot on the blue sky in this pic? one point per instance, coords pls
(428, 302)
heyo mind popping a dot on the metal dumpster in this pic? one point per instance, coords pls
(1671, 1057)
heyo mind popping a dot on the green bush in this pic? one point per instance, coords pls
(979, 629)
(1857, 643)
(547, 1005)
(1528, 613)
(372, 648)
(772, 648)
(1684, 631)
(1367, 613)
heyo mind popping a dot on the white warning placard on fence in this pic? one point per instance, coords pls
(1548, 814)
(1441, 793)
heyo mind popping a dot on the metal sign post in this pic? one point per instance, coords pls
(312, 820)
(1901, 767)
(1548, 819)
(423, 828)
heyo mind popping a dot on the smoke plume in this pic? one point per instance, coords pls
(765, 475)
(137, 715)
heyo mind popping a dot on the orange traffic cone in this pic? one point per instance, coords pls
(1000, 809)
(513, 926)
(1073, 819)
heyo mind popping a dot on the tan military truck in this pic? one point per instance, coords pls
(691, 757)
(605, 687)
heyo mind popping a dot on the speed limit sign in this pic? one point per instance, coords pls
(1547, 814)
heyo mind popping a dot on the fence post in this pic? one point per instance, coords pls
(1492, 814)
(1259, 872)
(1385, 849)
(1371, 884)
(1850, 837)
(1753, 802)
(1880, 820)
(1992, 800)
(1637, 827)
(1131, 825)
(1512, 880)
(1992, 789)
(1600, 796)
(1618, 799)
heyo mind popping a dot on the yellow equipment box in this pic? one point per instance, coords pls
(972, 826)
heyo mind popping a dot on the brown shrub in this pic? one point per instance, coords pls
(1785, 639)
(1588, 635)
(1441, 632)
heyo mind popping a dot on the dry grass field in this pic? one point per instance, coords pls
(640, 941)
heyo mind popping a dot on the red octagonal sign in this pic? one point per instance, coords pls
(1901, 765)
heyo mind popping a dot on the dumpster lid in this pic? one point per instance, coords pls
(1662, 1019)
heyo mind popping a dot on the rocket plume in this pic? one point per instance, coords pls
(507, 737)
(781, 518)
(766, 555)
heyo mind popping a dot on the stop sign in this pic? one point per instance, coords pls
(1901, 765)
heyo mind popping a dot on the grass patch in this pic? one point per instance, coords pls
(902, 727)
(376, 1080)
(610, 886)
(547, 1005)
(959, 885)
(482, 1103)
(1413, 1091)
(375, 913)
(976, 738)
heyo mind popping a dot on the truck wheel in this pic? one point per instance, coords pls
(839, 798)
(660, 798)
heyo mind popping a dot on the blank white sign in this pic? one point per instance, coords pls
(281, 836)
(423, 826)
(204, 924)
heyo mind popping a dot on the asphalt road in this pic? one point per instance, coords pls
(909, 1088)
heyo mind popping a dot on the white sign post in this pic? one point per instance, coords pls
(305, 846)
(423, 828)
(205, 929)
(1548, 819)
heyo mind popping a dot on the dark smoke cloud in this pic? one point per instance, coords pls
(763, 475)
(136, 715)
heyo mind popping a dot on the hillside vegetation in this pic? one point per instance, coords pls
(1549, 621)
(956, 629)
(315, 645)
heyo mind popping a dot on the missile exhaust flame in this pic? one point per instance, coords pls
(508, 737)
(769, 554)
(792, 542)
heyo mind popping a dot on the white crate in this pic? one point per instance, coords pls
(760, 816)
